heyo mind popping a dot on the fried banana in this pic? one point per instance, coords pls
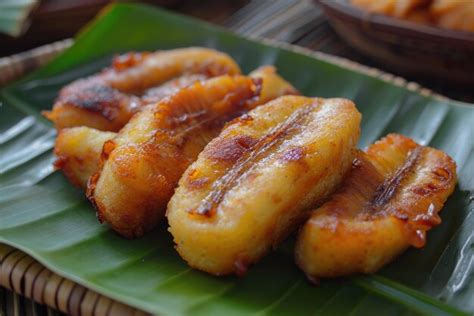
(387, 202)
(253, 184)
(78, 151)
(145, 161)
(106, 101)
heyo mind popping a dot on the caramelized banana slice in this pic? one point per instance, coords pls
(387, 202)
(147, 158)
(253, 184)
(78, 150)
(107, 101)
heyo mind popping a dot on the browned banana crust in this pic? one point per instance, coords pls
(388, 201)
(106, 101)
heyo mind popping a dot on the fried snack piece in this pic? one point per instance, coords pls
(253, 184)
(107, 100)
(145, 161)
(396, 8)
(78, 150)
(387, 202)
(454, 14)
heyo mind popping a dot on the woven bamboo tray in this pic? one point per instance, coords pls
(25, 276)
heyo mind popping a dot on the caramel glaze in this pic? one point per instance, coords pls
(418, 208)
(413, 191)
(250, 157)
(387, 202)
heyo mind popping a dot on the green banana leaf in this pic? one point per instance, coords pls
(43, 215)
(14, 15)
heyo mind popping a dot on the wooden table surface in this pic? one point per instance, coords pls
(300, 22)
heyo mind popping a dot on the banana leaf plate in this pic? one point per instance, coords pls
(44, 216)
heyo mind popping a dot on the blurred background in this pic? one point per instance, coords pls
(427, 41)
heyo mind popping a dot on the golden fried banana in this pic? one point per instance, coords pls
(147, 158)
(253, 184)
(90, 141)
(108, 100)
(78, 150)
(387, 202)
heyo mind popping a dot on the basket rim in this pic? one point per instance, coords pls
(374, 20)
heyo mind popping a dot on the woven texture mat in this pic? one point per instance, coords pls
(27, 287)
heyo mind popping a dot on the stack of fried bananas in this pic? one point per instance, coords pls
(237, 162)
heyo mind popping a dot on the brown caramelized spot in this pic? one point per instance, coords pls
(128, 60)
(388, 189)
(60, 162)
(91, 184)
(426, 189)
(250, 158)
(293, 154)
(443, 174)
(107, 148)
(96, 98)
(230, 148)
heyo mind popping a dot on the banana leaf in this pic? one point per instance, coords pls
(43, 215)
(14, 15)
